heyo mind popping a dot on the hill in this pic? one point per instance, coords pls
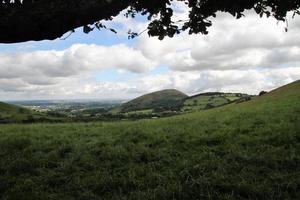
(12, 113)
(170, 102)
(15, 114)
(211, 100)
(166, 98)
(249, 150)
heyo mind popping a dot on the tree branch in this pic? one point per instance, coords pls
(50, 19)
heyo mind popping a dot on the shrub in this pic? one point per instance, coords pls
(262, 93)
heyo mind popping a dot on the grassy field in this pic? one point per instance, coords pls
(146, 111)
(208, 101)
(249, 150)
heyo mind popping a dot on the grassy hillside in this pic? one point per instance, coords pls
(210, 100)
(164, 98)
(12, 113)
(249, 150)
(16, 114)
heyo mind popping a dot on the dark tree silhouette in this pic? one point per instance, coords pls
(23, 20)
(262, 93)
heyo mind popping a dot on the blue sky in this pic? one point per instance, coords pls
(104, 37)
(106, 65)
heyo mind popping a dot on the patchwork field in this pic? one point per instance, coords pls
(210, 100)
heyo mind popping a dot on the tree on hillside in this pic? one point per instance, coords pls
(23, 20)
(262, 93)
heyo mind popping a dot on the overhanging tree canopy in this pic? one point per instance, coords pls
(24, 20)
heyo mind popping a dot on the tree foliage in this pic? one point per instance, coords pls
(23, 20)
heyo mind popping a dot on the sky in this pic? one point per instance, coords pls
(246, 55)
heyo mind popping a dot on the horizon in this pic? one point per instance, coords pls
(124, 100)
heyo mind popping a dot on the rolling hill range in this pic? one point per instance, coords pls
(249, 150)
(165, 98)
(174, 100)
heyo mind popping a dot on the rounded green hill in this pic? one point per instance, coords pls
(164, 98)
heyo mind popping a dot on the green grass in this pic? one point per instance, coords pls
(232, 98)
(249, 150)
(207, 101)
(146, 111)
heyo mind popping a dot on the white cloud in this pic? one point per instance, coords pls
(246, 55)
(231, 44)
(251, 81)
(25, 71)
(77, 59)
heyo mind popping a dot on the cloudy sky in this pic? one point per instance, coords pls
(246, 55)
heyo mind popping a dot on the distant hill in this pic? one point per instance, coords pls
(16, 114)
(165, 98)
(174, 100)
(211, 100)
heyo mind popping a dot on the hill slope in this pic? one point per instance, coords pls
(15, 114)
(164, 98)
(12, 113)
(249, 150)
(210, 100)
(4, 107)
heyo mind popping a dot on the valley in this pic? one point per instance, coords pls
(158, 104)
